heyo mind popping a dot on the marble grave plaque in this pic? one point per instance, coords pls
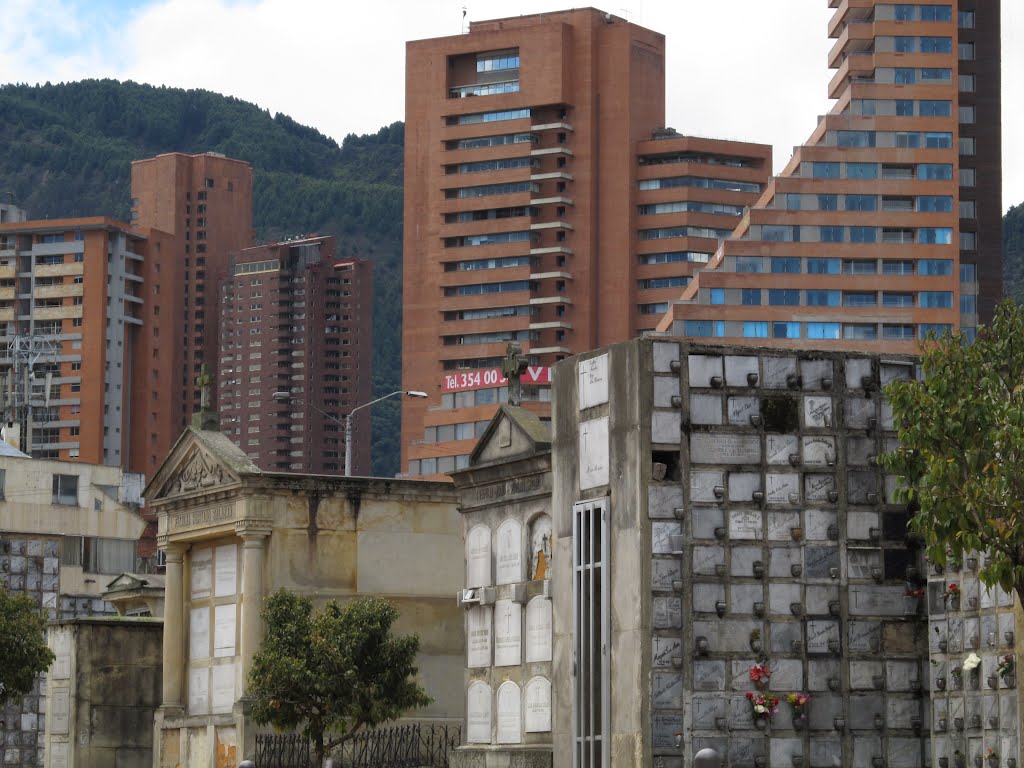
(663, 649)
(510, 715)
(703, 484)
(666, 427)
(478, 713)
(740, 409)
(202, 573)
(226, 574)
(664, 727)
(60, 710)
(781, 525)
(478, 557)
(664, 354)
(538, 705)
(705, 409)
(593, 454)
(743, 486)
(222, 683)
(663, 500)
(777, 371)
(706, 710)
(224, 617)
(508, 565)
(199, 633)
(199, 691)
(780, 447)
(725, 449)
(508, 633)
(744, 524)
(702, 368)
(818, 487)
(818, 450)
(478, 644)
(738, 368)
(666, 690)
(664, 571)
(708, 675)
(661, 536)
(817, 412)
(782, 488)
(858, 411)
(538, 629)
(667, 613)
(665, 388)
(593, 374)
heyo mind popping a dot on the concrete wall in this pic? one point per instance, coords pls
(104, 687)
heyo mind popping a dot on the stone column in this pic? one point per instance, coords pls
(174, 628)
(252, 595)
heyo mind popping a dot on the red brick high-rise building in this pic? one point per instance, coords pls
(885, 225)
(296, 322)
(545, 202)
(205, 203)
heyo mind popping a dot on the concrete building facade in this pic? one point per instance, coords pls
(883, 226)
(721, 531)
(532, 212)
(234, 534)
(297, 322)
(66, 530)
(75, 298)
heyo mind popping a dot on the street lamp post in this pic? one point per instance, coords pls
(347, 422)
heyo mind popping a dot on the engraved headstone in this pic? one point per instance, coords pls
(862, 562)
(777, 371)
(819, 450)
(202, 573)
(858, 411)
(818, 524)
(782, 488)
(593, 454)
(864, 636)
(508, 633)
(478, 643)
(878, 601)
(859, 450)
(781, 525)
(663, 500)
(725, 449)
(707, 596)
(226, 575)
(740, 410)
(779, 448)
(706, 558)
(707, 710)
(60, 710)
(667, 613)
(664, 571)
(478, 557)
(815, 372)
(199, 691)
(664, 727)
(745, 524)
(224, 619)
(819, 634)
(666, 690)
(538, 629)
(478, 713)
(859, 486)
(819, 487)
(664, 649)
(199, 633)
(509, 556)
(538, 705)
(817, 412)
(593, 379)
(661, 537)
(510, 715)
(708, 675)
(703, 484)
(819, 561)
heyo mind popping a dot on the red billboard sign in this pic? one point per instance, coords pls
(493, 377)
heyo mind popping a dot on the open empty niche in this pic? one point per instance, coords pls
(780, 413)
(670, 460)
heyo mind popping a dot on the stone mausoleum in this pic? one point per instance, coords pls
(703, 530)
(233, 535)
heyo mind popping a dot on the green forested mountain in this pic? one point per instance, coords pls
(66, 150)
(1013, 253)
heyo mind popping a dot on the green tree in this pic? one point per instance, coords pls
(23, 650)
(338, 669)
(961, 447)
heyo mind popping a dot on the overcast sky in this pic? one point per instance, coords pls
(744, 69)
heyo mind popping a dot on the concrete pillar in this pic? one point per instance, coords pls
(253, 542)
(174, 628)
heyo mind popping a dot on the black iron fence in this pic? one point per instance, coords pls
(413, 745)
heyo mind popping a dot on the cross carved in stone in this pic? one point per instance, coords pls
(204, 381)
(513, 367)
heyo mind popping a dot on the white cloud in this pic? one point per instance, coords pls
(745, 69)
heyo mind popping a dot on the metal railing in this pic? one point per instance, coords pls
(413, 745)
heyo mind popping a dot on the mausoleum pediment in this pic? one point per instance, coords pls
(201, 462)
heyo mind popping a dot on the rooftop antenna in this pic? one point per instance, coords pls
(462, 25)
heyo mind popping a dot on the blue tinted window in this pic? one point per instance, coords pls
(890, 299)
(786, 330)
(698, 328)
(755, 329)
(861, 202)
(934, 329)
(863, 234)
(935, 203)
(862, 332)
(936, 73)
(823, 298)
(968, 303)
(793, 202)
(935, 235)
(859, 300)
(827, 202)
(786, 264)
(783, 297)
(748, 263)
(929, 108)
(718, 295)
(908, 140)
(904, 108)
(905, 76)
(936, 13)
(935, 267)
(935, 299)
(824, 266)
(862, 170)
(825, 170)
(904, 12)
(751, 297)
(897, 331)
(830, 234)
(936, 45)
(823, 330)
(934, 140)
(855, 138)
(968, 273)
(904, 44)
(935, 171)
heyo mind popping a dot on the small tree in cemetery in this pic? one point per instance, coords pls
(23, 650)
(961, 451)
(337, 670)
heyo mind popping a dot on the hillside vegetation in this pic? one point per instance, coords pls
(66, 150)
(1013, 253)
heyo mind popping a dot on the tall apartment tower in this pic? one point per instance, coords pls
(296, 355)
(81, 366)
(205, 202)
(532, 213)
(885, 225)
